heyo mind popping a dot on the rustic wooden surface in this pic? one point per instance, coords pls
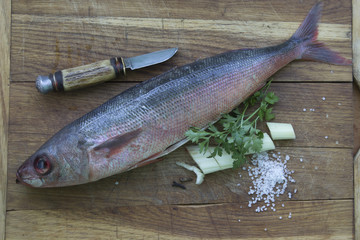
(5, 19)
(49, 36)
(356, 73)
(356, 41)
(357, 194)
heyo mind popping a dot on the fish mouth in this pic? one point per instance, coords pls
(19, 180)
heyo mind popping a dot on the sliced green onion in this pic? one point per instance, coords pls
(281, 131)
(209, 165)
(199, 175)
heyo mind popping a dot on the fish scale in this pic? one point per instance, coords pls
(150, 119)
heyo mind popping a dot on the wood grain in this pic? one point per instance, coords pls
(41, 46)
(293, 10)
(357, 194)
(136, 187)
(318, 177)
(356, 71)
(5, 20)
(356, 41)
(87, 75)
(218, 221)
(45, 116)
(356, 152)
(142, 204)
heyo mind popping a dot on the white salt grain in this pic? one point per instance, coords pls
(280, 217)
(282, 205)
(301, 160)
(304, 109)
(323, 98)
(337, 142)
(116, 183)
(339, 104)
(326, 137)
(265, 229)
(289, 215)
(289, 194)
(295, 190)
(270, 179)
(316, 168)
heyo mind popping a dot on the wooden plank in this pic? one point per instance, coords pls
(49, 36)
(356, 152)
(356, 71)
(356, 106)
(49, 113)
(356, 41)
(45, 117)
(317, 177)
(334, 11)
(221, 221)
(357, 194)
(40, 46)
(5, 19)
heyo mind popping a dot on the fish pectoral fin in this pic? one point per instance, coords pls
(115, 144)
(171, 148)
(156, 157)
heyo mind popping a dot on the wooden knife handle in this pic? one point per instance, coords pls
(80, 77)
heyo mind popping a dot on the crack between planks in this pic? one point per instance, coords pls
(194, 205)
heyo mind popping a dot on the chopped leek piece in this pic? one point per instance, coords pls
(199, 175)
(209, 165)
(281, 131)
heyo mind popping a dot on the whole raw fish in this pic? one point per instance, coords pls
(150, 119)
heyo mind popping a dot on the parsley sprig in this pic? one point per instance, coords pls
(238, 134)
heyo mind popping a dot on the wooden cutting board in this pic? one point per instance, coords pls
(141, 204)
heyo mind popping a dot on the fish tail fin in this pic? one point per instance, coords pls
(312, 49)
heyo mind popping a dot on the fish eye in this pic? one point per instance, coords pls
(42, 165)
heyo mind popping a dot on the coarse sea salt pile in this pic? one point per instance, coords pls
(270, 178)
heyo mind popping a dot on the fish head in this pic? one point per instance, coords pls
(59, 162)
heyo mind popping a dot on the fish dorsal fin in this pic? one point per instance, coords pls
(115, 144)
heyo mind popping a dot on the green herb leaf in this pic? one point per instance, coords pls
(271, 98)
(268, 115)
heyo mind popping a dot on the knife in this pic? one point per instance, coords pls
(94, 73)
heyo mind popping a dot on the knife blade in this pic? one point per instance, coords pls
(98, 72)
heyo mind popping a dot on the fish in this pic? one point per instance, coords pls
(147, 121)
